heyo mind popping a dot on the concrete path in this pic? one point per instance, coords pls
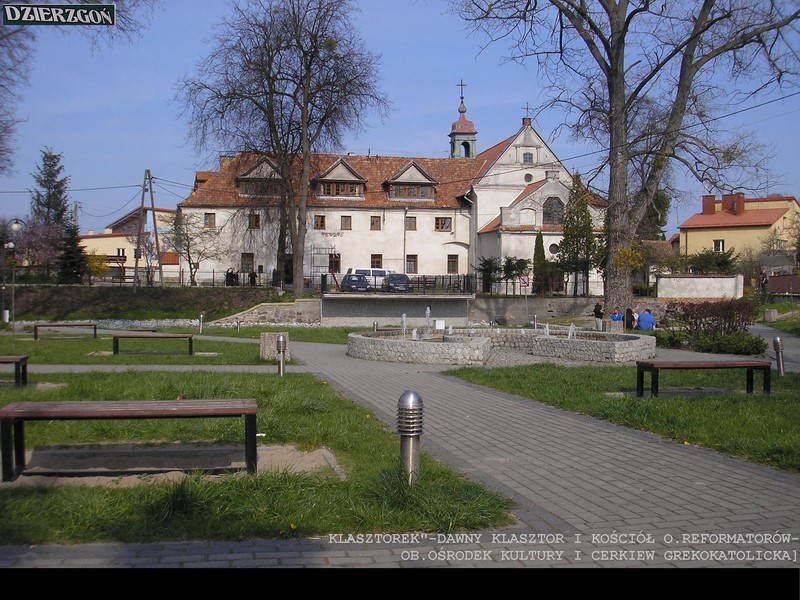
(587, 493)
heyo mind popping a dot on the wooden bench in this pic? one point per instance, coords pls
(152, 336)
(20, 368)
(53, 325)
(13, 417)
(654, 366)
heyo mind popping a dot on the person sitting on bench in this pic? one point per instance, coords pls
(646, 320)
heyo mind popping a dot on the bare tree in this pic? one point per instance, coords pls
(17, 48)
(286, 78)
(645, 80)
(193, 241)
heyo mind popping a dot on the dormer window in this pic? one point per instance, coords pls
(347, 189)
(411, 191)
(259, 187)
(527, 158)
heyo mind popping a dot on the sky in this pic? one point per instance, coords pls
(110, 111)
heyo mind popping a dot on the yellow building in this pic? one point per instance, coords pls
(119, 241)
(736, 222)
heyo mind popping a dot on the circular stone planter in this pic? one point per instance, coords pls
(474, 346)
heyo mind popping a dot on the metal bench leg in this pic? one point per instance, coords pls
(6, 449)
(19, 446)
(639, 383)
(654, 383)
(191, 349)
(749, 387)
(250, 451)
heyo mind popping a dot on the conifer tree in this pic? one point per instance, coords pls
(72, 263)
(576, 253)
(540, 266)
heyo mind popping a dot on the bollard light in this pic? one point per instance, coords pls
(374, 326)
(778, 345)
(409, 426)
(201, 322)
(281, 347)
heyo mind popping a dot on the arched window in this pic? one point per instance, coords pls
(553, 212)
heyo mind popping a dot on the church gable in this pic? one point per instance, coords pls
(541, 203)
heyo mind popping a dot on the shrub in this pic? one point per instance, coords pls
(732, 343)
(713, 318)
(671, 338)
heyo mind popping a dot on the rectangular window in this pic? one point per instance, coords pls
(342, 189)
(346, 224)
(422, 192)
(376, 261)
(210, 220)
(319, 221)
(120, 251)
(248, 262)
(452, 264)
(719, 245)
(411, 263)
(411, 223)
(443, 223)
(254, 221)
(260, 187)
(375, 223)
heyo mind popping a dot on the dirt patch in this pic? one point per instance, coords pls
(129, 465)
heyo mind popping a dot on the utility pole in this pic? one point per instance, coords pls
(147, 184)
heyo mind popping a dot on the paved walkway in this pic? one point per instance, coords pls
(587, 493)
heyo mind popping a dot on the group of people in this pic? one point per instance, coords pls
(633, 320)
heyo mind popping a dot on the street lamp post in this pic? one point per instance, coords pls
(17, 225)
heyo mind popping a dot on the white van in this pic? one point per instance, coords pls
(374, 276)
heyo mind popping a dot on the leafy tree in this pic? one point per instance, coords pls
(17, 47)
(578, 247)
(512, 268)
(541, 271)
(193, 241)
(708, 262)
(71, 263)
(96, 266)
(642, 80)
(490, 270)
(286, 78)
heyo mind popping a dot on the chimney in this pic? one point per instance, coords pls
(709, 204)
(738, 204)
(727, 202)
(526, 121)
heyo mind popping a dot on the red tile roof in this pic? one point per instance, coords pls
(749, 218)
(454, 177)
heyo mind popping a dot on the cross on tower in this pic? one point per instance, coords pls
(527, 110)
(462, 85)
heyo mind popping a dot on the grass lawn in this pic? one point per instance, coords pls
(299, 410)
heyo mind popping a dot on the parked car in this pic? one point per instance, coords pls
(355, 283)
(374, 276)
(396, 282)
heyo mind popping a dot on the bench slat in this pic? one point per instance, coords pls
(137, 409)
(722, 364)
